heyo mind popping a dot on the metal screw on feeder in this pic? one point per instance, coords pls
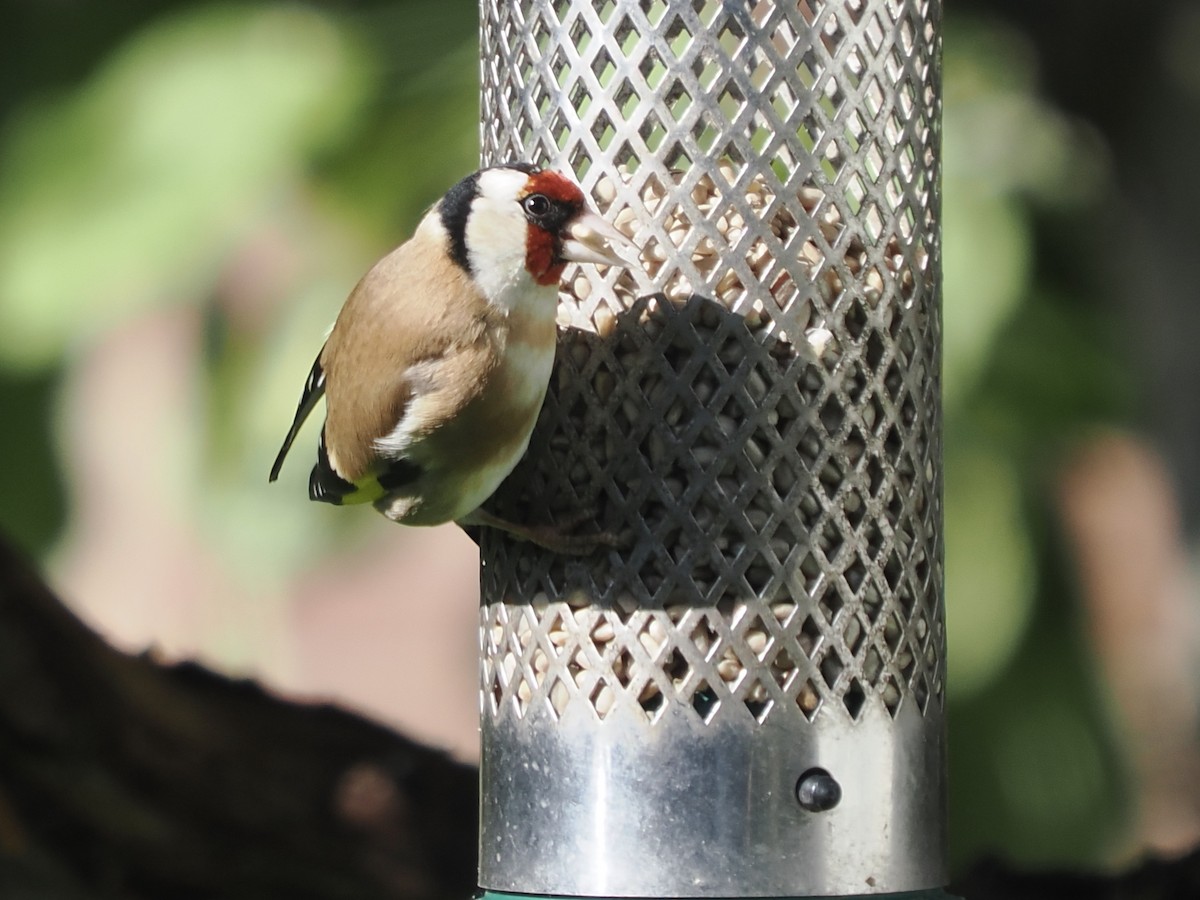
(818, 791)
(747, 701)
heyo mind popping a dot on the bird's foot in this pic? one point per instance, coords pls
(559, 538)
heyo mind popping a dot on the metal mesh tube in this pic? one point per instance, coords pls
(760, 411)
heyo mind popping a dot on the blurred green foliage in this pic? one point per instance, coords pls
(136, 180)
(31, 486)
(139, 185)
(124, 193)
(1028, 370)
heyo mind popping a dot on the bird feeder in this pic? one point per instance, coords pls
(746, 699)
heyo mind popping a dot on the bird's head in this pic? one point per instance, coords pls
(516, 217)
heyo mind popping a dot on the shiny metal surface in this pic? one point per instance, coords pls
(694, 810)
(760, 410)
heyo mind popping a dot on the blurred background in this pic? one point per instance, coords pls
(188, 190)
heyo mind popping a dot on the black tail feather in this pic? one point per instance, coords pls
(314, 390)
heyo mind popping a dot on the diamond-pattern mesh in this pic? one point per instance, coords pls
(759, 409)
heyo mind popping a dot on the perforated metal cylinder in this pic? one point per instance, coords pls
(747, 699)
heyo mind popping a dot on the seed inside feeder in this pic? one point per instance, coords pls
(784, 269)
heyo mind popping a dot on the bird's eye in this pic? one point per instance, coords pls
(536, 205)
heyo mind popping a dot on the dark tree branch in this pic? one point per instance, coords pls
(123, 778)
(120, 777)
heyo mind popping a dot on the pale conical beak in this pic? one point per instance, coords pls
(591, 239)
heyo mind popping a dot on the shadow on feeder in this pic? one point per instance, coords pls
(700, 434)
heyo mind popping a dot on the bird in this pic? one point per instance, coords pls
(438, 363)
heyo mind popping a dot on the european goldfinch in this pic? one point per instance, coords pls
(437, 366)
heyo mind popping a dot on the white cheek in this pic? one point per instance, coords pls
(496, 231)
(501, 275)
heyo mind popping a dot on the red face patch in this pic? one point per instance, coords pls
(556, 187)
(540, 256)
(541, 244)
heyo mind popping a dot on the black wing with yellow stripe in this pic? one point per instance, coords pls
(324, 483)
